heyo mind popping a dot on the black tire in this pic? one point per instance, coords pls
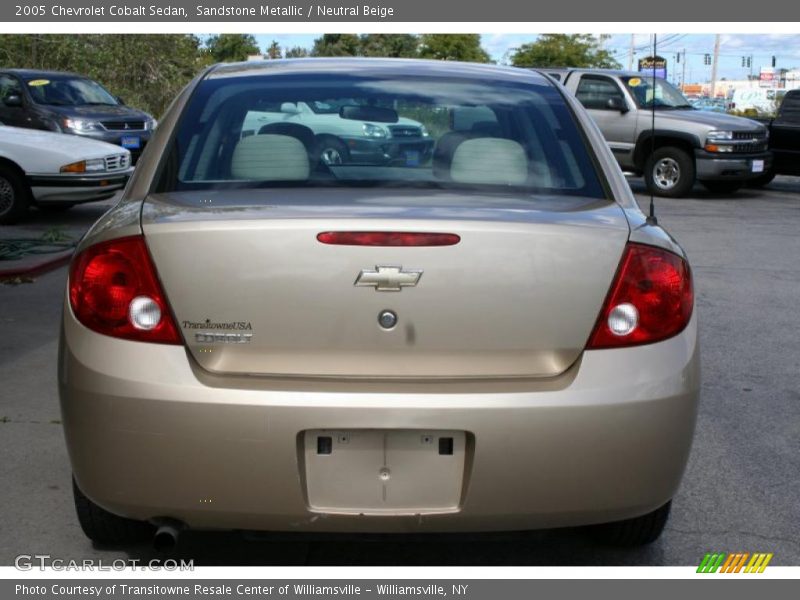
(633, 532)
(723, 187)
(762, 180)
(332, 151)
(15, 195)
(669, 172)
(103, 527)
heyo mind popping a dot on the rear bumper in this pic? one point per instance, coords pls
(716, 167)
(150, 435)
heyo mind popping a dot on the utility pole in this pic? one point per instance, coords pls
(714, 66)
(630, 52)
(683, 76)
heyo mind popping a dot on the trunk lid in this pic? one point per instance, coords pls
(254, 292)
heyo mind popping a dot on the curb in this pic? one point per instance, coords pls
(37, 269)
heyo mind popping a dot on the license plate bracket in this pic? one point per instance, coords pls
(376, 471)
(757, 166)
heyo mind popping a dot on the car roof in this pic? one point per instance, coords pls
(377, 66)
(26, 73)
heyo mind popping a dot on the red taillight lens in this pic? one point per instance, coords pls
(114, 290)
(650, 300)
(387, 238)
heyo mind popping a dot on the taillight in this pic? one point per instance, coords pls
(650, 299)
(114, 290)
(387, 238)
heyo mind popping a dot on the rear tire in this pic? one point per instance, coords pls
(722, 187)
(762, 180)
(633, 532)
(103, 527)
(14, 196)
(669, 172)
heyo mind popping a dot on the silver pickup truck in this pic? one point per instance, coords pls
(720, 151)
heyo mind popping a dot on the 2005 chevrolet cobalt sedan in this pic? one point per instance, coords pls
(488, 336)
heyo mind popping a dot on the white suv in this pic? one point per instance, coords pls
(334, 139)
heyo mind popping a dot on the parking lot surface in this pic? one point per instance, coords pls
(741, 491)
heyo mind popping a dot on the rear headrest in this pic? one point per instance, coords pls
(493, 161)
(270, 157)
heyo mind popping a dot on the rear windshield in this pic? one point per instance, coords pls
(301, 130)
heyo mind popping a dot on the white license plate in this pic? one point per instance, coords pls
(758, 166)
(384, 471)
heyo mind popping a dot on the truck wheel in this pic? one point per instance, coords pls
(669, 172)
(14, 196)
(633, 532)
(332, 152)
(103, 527)
(722, 187)
(761, 180)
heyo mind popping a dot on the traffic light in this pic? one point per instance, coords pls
(744, 61)
(707, 59)
(773, 61)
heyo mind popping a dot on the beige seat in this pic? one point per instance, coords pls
(270, 157)
(491, 161)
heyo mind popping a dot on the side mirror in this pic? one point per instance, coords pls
(120, 100)
(13, 100)
(290, 108)
(617, 103)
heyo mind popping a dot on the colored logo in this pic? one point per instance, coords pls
(739, 562)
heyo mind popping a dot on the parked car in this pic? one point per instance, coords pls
(69, 103)
(55, 171)
(335, 139)
(759, 101)
(718, 105)
(720, 151)
(496, 340)
(784, 140)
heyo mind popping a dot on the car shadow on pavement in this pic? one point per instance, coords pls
(558, 547)
(782, 184)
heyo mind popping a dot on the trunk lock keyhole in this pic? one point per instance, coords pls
(387, 319)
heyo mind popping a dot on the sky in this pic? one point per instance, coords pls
(786, 49)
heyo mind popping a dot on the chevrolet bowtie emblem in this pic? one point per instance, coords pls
(388, 279)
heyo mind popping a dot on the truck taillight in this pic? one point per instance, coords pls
(650, 300)
(114, 290)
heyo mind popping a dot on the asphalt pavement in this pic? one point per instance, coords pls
(741, 491)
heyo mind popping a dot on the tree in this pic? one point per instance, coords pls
(146, 70)
(460, 46)
(561, 50)
(232, 47)
(274, 50)
(336, 44)
(399, 45)
(296, 52)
